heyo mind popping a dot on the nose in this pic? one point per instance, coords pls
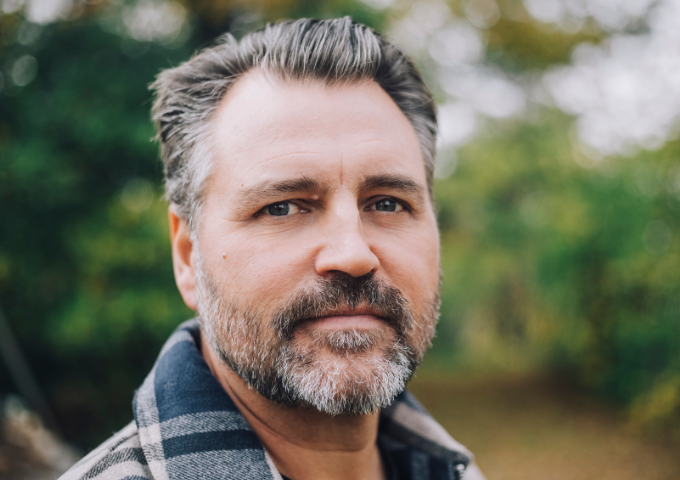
(345, 248)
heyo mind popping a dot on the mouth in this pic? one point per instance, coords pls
(347, 319)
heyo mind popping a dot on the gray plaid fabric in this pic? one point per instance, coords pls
(186, 427)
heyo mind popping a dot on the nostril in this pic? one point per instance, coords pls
(354, 259)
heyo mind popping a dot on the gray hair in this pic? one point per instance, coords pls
(330, 51)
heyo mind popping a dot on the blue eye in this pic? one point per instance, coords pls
(279, 209)
(388, 205)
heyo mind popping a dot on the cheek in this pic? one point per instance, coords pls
(411, 262)
(256, 271)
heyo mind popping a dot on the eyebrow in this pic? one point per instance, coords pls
(267, 189)
(262, 191)
(393, 182)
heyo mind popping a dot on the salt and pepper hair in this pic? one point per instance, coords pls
(328, 51)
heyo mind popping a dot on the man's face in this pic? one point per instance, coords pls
(318, 255)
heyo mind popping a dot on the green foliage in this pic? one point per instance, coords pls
(85, 276)
(551, 265)
(517, 46)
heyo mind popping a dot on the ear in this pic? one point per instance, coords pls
(183, 258)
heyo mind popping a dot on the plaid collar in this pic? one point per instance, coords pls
(190, 428)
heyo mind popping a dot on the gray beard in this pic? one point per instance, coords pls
(366, 368)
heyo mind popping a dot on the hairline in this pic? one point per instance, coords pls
(330, 52)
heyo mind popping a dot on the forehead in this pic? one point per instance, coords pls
(265, 129)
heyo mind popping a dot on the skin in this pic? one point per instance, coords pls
(333, 153)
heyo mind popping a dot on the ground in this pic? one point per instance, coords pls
(538, 428)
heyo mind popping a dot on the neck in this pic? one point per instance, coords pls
(304, 443)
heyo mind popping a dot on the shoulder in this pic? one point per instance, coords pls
(120, 457)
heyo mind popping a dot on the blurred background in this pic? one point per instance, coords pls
(558, 192)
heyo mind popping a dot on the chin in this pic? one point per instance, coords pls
(358, 379)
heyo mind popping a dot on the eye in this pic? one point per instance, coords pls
(388, 205)
(281, 209)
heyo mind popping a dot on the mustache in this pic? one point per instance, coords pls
(344, 291)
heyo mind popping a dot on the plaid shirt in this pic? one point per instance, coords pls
(186, 427)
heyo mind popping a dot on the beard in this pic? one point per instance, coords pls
(337, 372)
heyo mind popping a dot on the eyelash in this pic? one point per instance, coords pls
(303, 209)
(263, 210)
(403, 204)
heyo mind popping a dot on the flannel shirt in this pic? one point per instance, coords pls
(186, 427)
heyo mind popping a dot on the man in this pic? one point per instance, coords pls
(298, 167)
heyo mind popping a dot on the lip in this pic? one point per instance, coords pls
(346, 318)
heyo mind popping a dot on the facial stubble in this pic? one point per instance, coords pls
(338, 372)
